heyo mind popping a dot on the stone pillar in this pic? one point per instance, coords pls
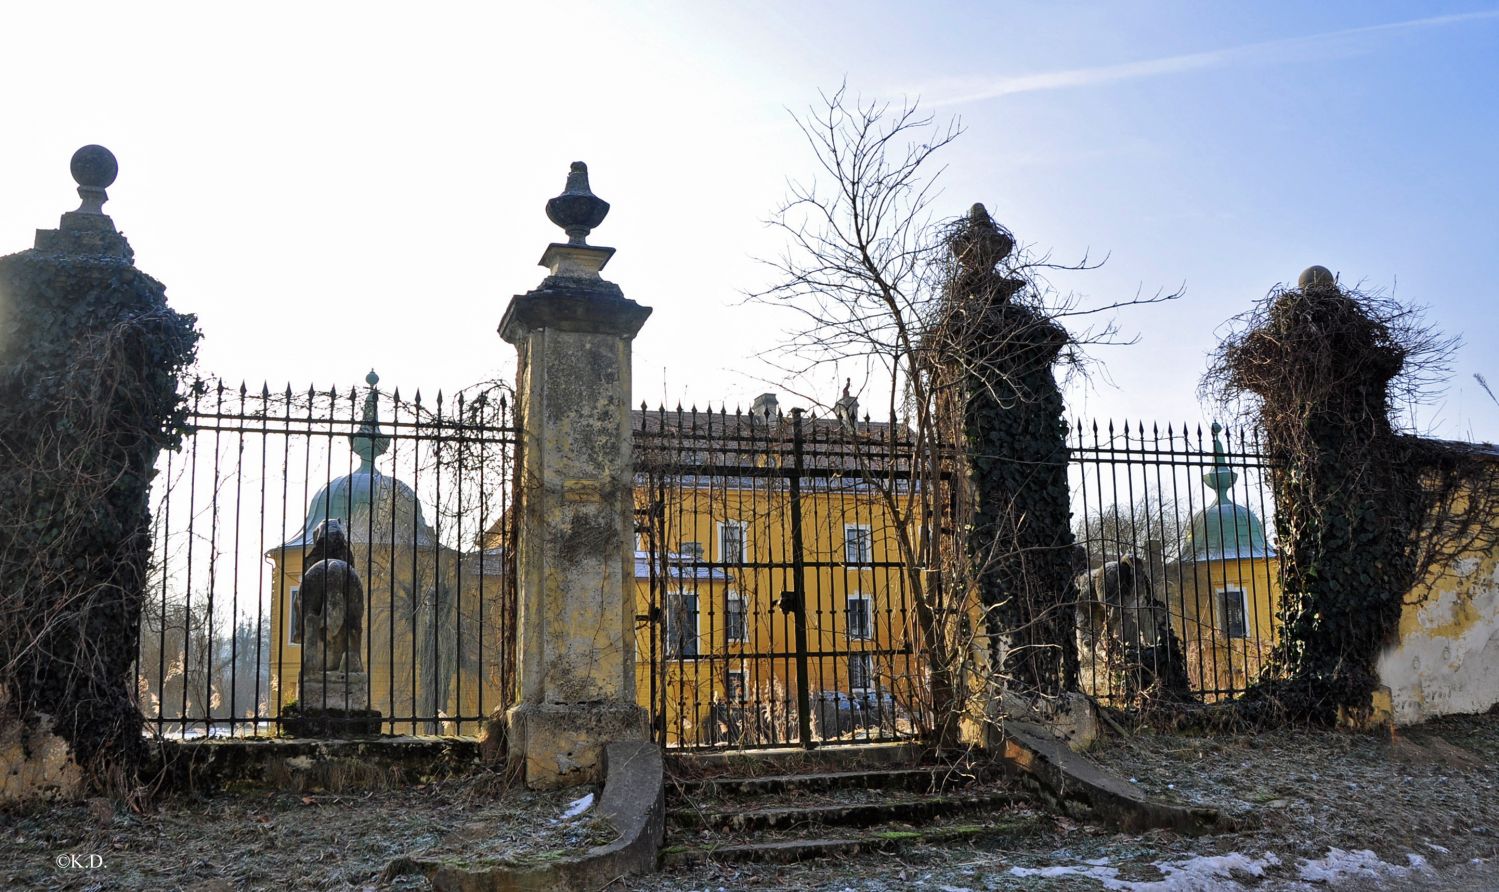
(575, 548)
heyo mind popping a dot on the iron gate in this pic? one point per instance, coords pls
(774, 577)
(423, 490)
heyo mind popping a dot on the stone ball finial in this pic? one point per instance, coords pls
(577, 210)
(372, 379)
(1316, 277)
(94, 167)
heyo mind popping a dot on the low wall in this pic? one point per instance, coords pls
(1447, 658)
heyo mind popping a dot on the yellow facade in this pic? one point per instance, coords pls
(432, 629)
(732, 676)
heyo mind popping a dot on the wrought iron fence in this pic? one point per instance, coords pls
(1182, 591)
(775, 592)
(423, 490)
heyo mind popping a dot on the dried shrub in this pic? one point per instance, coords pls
(90, 358)
(1365, 511)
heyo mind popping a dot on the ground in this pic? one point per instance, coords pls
(285, 841)
(1326, 809)
(1418, 810)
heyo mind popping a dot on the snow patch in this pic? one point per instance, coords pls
(1340, 865)
(578, 806)
(1200, 874)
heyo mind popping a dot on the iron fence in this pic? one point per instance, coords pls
(774, 578)
(1182, 590)
(423, 489)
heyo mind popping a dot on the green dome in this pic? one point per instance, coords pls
(374, 508)
(1223, 530)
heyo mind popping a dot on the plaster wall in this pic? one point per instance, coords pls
(1447, 658)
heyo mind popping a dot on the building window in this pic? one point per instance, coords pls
(860, 673)
(858, 543)
(681, 624)
(733, 686)
(692, 551)
(1235, 613)
(860, 617)
(735, 622)
(731, 542)
(294, 625)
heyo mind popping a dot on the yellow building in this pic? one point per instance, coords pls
(1223, 591)
(722, 658)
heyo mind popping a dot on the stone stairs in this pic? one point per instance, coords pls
(729, 813)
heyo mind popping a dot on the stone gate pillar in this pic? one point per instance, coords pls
(575, 652)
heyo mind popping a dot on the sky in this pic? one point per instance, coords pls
(333, 187)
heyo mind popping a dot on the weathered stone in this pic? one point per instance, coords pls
(562, 744)
(575, 620)
(35, 763)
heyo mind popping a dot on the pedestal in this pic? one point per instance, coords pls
(332, 704)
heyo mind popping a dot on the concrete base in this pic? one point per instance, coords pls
(557, 745)
(334, 690)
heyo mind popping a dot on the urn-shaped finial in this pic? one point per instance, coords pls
(577, 210)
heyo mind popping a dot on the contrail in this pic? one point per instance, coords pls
(1315, 45)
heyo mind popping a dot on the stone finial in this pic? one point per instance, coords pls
(847, 408)
(979, 244)
(94, 169)
(1222, 477)
(88, 230)
(368, 442)
(1316, 277)
(577, 210)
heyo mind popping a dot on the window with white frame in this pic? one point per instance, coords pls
(294, 620)
(681, 624)
(860, 672)
(735, 618)
(692, 551)
(1234, 607)
(860, 616)
(731, 542)
(858, 543)
(733, 686)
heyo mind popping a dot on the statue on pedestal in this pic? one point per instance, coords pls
(334, 686)
(332, 604)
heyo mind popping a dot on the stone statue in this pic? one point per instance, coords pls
(332, 604)
(1119, 600)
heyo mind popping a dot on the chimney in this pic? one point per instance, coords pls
(765, 406)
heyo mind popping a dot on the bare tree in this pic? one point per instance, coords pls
(869, 269)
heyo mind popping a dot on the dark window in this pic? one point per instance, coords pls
(734, 686)
(734, 625)
(1235, 623)
(860, 617)
(858, 544)
(294, 627)
(860, 672)
(681, 625)
(731, 542)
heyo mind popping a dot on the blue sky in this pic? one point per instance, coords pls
(379, 170)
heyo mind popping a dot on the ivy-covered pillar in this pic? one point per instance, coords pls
(575, 652)
(1008, 412)
(90, 359)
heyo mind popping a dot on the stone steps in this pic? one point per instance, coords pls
(910, 810)
(783, 851)
(788, 816)
(920, 780)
